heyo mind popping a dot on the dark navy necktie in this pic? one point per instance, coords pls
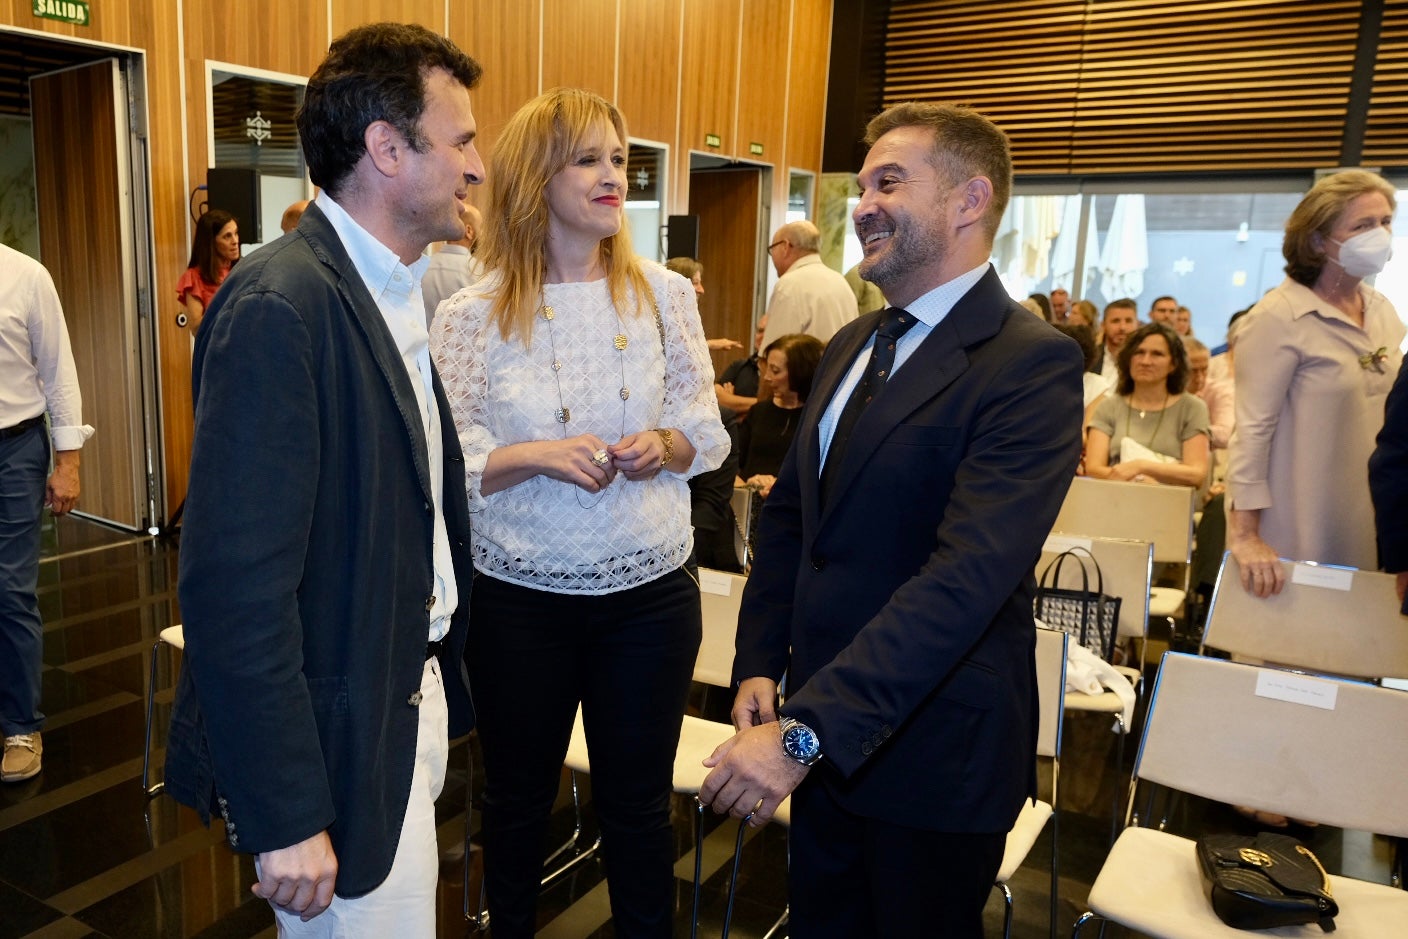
(894, 323)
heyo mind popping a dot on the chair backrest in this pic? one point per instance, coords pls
(742, 502)
(1105, 508)
(1325, 749)
(1326, 619)
(1127, 566)
(1050, 690)
(720, 594)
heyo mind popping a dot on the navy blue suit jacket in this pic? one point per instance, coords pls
(1388, 480)
(306, 563)
(903, 609)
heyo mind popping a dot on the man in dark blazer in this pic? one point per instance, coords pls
(324, 580)
(893, 582)
(1388, 484)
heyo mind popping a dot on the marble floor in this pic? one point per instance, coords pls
(83, 852)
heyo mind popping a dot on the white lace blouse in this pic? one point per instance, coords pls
(552, 535)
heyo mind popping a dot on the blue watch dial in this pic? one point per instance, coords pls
(800, 743)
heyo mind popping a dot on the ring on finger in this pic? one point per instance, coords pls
(600, 458)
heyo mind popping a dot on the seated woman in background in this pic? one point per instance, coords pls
(214, 250)
(791, 362)
(1083, 313)
(1148, 430)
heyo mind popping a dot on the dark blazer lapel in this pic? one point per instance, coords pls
(328, 248)
(940, 359)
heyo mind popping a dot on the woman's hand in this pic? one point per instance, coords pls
(763, 483)
(584, 461)
(1131, 471)
(639, 456)
(1262, 574)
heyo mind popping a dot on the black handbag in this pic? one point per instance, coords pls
(1088, 616)
(1265, 880)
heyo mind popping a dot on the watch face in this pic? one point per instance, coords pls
(800, 743)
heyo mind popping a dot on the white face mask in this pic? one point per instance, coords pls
(1366, 253)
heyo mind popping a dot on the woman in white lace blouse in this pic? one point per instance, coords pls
(583, 396)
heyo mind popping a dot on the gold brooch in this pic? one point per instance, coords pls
(1374, 360)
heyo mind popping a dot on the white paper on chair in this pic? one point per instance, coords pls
(1131, 449)
(1316, 575)
(714, 582)
(1296, 689)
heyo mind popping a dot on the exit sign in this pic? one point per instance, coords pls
(65, 11)
(713, 140)
(755, 148)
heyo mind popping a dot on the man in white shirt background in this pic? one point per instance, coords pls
(37, 377)
(809, 297)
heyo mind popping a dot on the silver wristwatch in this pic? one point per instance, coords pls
(799, 741)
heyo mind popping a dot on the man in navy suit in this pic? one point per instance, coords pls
(324, 575)
(1388, 483)
(893, 582)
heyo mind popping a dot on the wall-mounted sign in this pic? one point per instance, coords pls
(755, 148)
(713, 140)
(257, 128)
(65, 11)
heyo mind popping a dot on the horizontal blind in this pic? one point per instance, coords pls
(1016, 62)
(1137, 86)
(1386, 133)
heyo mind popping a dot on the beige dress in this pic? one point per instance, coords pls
(1310, 390)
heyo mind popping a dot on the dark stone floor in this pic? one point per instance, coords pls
(83, 853)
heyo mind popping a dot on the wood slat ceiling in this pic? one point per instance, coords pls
(1386, 135)
(1137, 86)
(23, 55)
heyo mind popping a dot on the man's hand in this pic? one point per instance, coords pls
(755, 703)
(299, 879)
(751, 773)
(61, 491)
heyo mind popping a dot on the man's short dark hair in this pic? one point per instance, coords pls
(372, 73)
(1123, 303)
(1158, 300)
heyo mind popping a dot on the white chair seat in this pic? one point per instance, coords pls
(1165, 601)
(1023, 835)
(698, 738)
(1150, 883)
(173, 636)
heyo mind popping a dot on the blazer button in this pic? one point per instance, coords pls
(886, 731)
(818, 564)
(429, 602)
(866, 749)
(415, 699)
(234, 839)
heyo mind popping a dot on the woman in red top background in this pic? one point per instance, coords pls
(214, 251)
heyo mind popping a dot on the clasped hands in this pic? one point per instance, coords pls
(590, 463)
(750, 773)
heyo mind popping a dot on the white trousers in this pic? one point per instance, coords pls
(404, 904)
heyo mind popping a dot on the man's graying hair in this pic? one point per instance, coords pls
(966, 144)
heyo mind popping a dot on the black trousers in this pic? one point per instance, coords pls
(852, 877)
(627, 657)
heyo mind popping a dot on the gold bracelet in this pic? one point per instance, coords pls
(667, 437)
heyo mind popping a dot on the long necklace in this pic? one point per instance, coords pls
(1157, 424)
(563, 413)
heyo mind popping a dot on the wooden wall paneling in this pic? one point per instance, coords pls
(579, 45)
(647, 90)
(807, 83)
(80, 195)
(762, 87)
(726, 202)
(267, 34)
(709, 70)
(349, 13)
(502, 35)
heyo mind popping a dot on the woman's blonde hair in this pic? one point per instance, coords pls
(536, 144)
(1317, 213)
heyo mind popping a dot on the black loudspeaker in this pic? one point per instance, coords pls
(682, 236)
(237, 192)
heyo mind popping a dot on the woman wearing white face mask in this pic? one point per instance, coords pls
(1315, 361)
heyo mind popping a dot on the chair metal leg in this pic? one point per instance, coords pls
(1119, 769)
(1085, 918)
(1006, 910)
(151, 790)
(1055, 862)
(776, 931)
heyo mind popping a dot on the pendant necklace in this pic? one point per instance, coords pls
(563, 413)
(1142, 412)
